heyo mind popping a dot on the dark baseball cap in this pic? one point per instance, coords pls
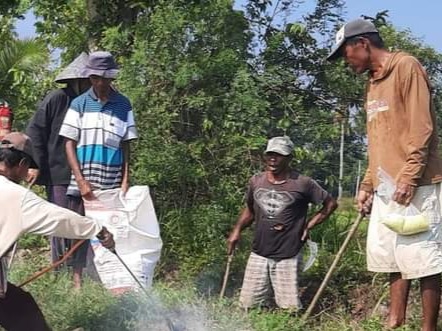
(20, 142)
(351, 29)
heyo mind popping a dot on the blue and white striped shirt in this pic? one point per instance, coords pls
(99, 129)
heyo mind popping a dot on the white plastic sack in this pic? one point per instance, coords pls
(404, 220)
(133, 222)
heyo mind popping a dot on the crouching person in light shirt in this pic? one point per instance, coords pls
(21, 212)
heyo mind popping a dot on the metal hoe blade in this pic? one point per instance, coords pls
(170, 324)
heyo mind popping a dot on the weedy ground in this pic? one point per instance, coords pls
(354, 300)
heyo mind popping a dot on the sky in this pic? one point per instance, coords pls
(423, 20)
(422, 17)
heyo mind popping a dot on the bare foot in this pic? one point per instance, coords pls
(77, 277)
(77, 281)
(394, 323)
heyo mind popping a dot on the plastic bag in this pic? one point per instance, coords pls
(386, 185)
(133, 222)
(404, 220)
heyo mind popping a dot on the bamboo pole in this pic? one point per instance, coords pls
(40, 273)
(327, 277)
(226, 276)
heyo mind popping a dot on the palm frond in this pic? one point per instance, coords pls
(25, 55)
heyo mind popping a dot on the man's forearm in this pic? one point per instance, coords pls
(420, 127)
(38, 135)
(44, 218)
(126, 158)
(244, 220)
(71, 155)
(367, 182)
(414, 167)
(328, 207)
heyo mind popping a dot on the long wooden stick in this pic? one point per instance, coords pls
(327, 277)
(40, 273)
(226, 276)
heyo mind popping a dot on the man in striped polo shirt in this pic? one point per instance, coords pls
(98, 127)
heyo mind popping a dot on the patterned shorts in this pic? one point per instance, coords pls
(414, 256)
(263, 275)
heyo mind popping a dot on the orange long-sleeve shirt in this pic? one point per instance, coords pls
(401, 125)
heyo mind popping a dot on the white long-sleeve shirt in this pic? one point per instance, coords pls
(22, 211)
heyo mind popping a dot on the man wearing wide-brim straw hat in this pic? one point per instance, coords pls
(46, 122)
(54, 172)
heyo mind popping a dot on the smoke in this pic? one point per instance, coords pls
(158, 318)
(173, 310)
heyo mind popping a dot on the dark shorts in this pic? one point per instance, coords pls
(19, 311)
(59, 246)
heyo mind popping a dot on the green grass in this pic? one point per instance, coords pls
(95, 309)
(191, 301)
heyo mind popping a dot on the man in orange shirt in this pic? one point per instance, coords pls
(403, 143)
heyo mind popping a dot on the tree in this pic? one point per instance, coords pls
(81, 25)
(10, 11)
(22, 64)
(210, 84)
